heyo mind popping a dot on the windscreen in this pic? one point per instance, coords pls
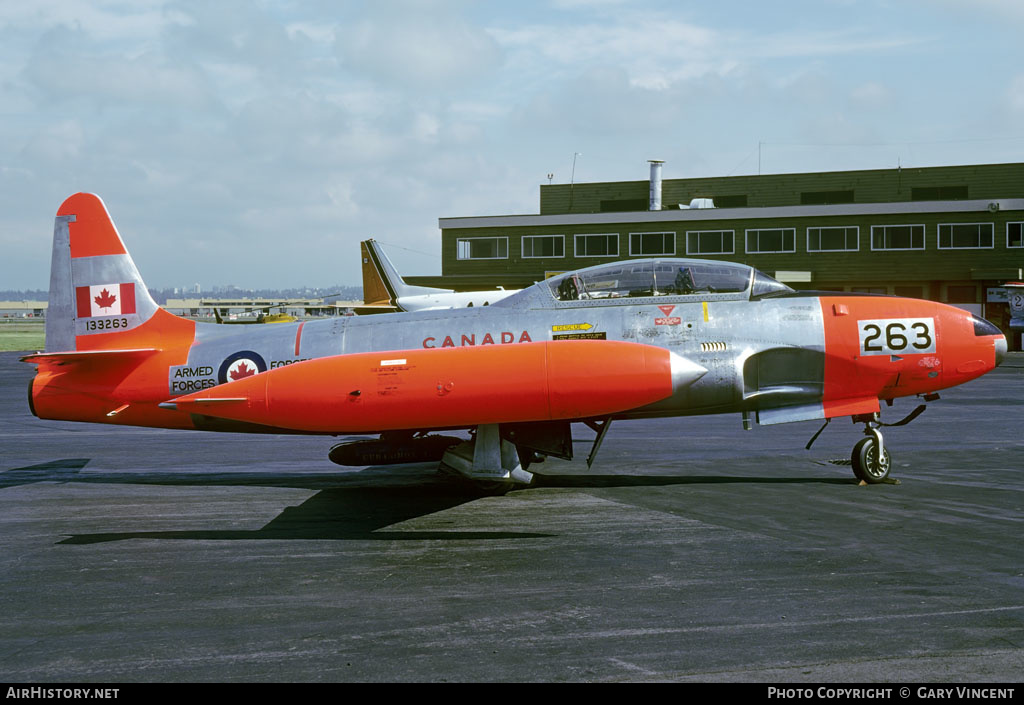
(766, 286)
(651, 278)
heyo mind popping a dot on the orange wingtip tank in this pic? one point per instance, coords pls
(448, 388)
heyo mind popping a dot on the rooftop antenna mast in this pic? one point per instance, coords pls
(572, 177)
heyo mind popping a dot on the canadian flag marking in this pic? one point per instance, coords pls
(105, 300)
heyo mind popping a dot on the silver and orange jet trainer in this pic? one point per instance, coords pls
(632, 339)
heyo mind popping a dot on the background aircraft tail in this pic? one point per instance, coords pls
(382, 284)
(98, 300)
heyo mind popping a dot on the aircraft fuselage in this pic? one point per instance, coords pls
(789, 358)
(630, 339)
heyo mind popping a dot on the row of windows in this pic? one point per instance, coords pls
(807, 198)
(952, 236)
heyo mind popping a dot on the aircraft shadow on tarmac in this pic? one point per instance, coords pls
(353, 505)
(355, 513)
(54, 471)
(597, 481)
(384, 476)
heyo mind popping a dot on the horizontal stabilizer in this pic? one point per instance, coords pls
(74, 357)
(370, 310)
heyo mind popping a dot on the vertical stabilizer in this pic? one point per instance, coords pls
(375, 291)
(97, 297)
(382, 280)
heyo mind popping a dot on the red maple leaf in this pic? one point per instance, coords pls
(243, 370)
(105, 299)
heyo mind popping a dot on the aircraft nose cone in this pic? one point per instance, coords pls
(1000, 349)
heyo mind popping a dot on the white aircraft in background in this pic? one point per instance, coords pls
(384, 290)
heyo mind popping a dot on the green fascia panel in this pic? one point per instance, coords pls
(1002, 273)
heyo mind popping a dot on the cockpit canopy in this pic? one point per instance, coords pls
(664, 277)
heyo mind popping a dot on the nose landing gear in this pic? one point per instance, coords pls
(871, 459)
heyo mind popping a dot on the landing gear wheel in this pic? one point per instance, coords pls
(866, 464)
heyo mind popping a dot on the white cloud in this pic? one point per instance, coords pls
(58, 143)
(657, 51)
(67, 64)
(585, 4)
(1015, 94)
(125, 23)
(317, 32)
(871, 95)
(426, 127)
(416, 47)
(1010, 9)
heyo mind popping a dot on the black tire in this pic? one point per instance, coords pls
(865, 463)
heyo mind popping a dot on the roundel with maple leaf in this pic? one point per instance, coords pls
(242, 364)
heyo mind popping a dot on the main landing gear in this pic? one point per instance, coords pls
(490, 461)
(499, 455)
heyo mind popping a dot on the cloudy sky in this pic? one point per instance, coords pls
(255, 143)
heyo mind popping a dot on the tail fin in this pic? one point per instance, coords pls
(98, 300)
(375, 291)
(382, 284)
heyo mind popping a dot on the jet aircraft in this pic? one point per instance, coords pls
(632, 339)
(385, 291)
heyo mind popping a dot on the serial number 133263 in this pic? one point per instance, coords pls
(106, 324)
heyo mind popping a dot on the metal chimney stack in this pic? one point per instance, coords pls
(655, 202)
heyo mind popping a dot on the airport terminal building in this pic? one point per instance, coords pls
(951, 234)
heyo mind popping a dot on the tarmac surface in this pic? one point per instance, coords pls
(694, 551)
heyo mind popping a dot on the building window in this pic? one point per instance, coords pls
(482, 248)
(965, 236)
(604, 245)
(774, 240)
(823, 198)
(909, 292)
(833, 239)
(624, 205)
(1015, 234)
(962, 294)
(543, 246)
(710, 242)
(649, 244)
(897, 237)
(735, 201)
(938, 193)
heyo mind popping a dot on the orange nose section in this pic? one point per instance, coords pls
(978, 346)
(888, 347)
